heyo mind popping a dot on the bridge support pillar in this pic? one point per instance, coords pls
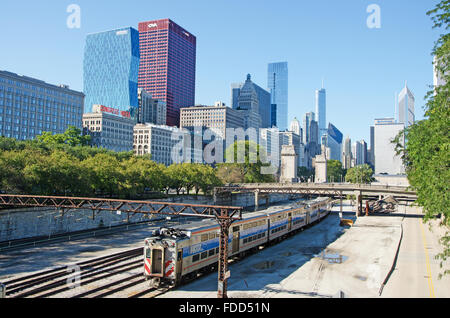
(341, 208)
(256, 199)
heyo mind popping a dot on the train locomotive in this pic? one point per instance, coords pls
(172, 255)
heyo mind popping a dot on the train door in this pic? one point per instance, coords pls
(289, 222)
(158, 262)
(179, 264)
(236, 240)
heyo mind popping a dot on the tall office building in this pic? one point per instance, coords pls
(248, 105)
(347, 155)
(111, 66)
(386, 159)
(278, 87)
(307, 119)
(295, 127)
(152, 111)
(29, 107)
(334, 142)
(263, 97)
(167, 70)
(361, 152)
(406, 107)
(321, 111)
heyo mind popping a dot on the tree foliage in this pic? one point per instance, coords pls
(244, 164)
(335, 173)
(426, 152)
(361, 174)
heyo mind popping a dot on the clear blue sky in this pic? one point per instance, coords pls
(362, 67)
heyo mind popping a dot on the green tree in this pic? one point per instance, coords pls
(72, 137)
(247, 157)
(426, 152)
(105, 174)
(362, 174)
(306, 174)
(334, 171)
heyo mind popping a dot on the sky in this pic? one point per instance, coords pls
(362, 68)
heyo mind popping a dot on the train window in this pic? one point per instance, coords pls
(212, 236)
(180, 255)
(217, 250)
(195, 258)
(148, 253)
(204, 255)
(212, 252)
(245, 241)
(205, 237)
(236, 229)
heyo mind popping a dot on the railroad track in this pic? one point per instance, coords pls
(61, 279)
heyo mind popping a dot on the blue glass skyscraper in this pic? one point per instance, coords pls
(111, 68)
(278, 87)
(321, 111)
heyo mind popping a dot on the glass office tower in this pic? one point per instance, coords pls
(167, 70)
(278, 88)
(321, 111)
(111, 68)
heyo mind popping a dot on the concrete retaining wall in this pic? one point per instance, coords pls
(37, 222)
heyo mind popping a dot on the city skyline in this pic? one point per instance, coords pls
(368, 64)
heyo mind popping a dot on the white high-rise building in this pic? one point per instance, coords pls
(437, 77)
(406, 102)
(295, 127)
(321, 111)
(386, 159)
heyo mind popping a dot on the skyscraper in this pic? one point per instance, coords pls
(295, 127)
(278, 87)
(334, 142)
(167, 70)
(111, 65)
(347, 160)
(406, 107)
(321, 111)
(263, 96)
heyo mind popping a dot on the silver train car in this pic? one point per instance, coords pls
(174, 254)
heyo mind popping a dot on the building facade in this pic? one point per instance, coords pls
(107, 130)
(152, 111)
(110, 69)
(386, 159)
(168, 65)
(29, 107)
(277, 85)
(217, 118)
(166, 145)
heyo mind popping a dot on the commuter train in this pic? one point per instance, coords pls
(172, 255)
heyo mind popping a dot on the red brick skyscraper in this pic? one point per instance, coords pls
(167, 67)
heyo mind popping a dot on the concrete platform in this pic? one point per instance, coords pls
(318, 262)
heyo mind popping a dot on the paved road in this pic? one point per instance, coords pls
(416, 272)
